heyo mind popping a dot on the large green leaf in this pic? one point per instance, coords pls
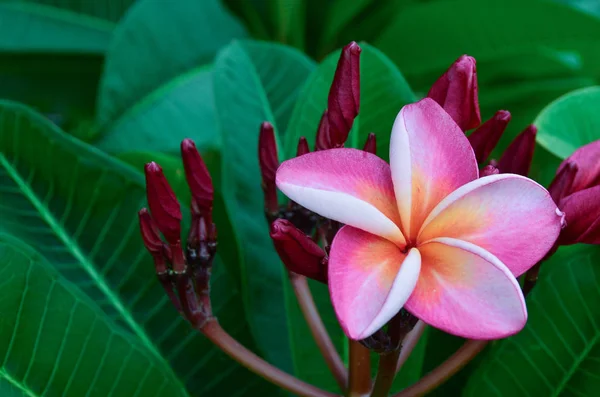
(257, 82)
(383, 92)
(29, 27)
(78, 207)
(56, 341)
(570, 122)
(558, 352)
(156, 42)
(182, 108)
(484, 32)
(108, 10)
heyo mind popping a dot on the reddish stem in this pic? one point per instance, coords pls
(359, 383)
(245, 357)
(409, 343)
(317, 329)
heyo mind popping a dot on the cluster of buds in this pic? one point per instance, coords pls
(456, 91)
(184, 272)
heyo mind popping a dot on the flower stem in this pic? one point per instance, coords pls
(409, 343)
(359, 384)
(445, 370)
(217, 335)
(318, 330)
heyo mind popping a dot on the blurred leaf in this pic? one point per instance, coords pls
(488, 30)
(570, 122)
(257, 82)
(109, 10)
(155, 43)
(290, 21)
(588, 6)
(55, 340)
(29, 27)
(558, 352)
(78, 207)
(383, 93)
(182, 108)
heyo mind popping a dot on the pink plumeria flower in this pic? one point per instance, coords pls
(424, 232)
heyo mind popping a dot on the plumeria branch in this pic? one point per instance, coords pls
(409, 343)
(318, 330)
(359, 382)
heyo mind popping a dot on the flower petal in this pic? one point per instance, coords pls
(347, 185)
(430, 157)
(511, 216)
(466, 291)
(369, 280)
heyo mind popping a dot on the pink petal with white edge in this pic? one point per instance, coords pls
(466, 291)
(430, 157)
(511, 216)
(347, 185)
(369, 280)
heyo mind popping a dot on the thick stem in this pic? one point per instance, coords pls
(359, 384)
(409, 343)
(245, 357)
(318, 330)
(385, 374)
(445, 370)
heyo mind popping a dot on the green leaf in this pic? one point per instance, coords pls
(257, 82)
(56, 341)
(558, 352)
(78, 207)
(289, 17)
(155, 43)
(28, 27)
(182, 108)
(383, 93)
(484, 34)
(108, 10)
(570, 122)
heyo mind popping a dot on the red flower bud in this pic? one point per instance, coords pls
(562, 183)
(456, 92)
(582, 212)
(519, 154)
(297, 251)
(163, 203)
(488, 170)
(586, 158)
(371, 144)
(268, 161)
(323, 140)
(485, 138)
(344, 95)
(302, 147)
(198, 178)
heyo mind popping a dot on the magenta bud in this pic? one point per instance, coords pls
(198, 178)
(582, 212)
(150, 233)
(268, 161)
(588, 166)
(323, 140)
(488, 170)
(344, 95)
(302, 147)
(297, 251)
(519, 154)
(456, 92)
(563, 181)
(163, 203)
(485, 138)
(371, 144)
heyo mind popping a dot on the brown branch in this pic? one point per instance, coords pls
(318, 330)
(245, 357)
(359, 384)
(445, 370)
(409, 343)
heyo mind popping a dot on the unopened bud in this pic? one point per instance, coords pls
(268, 161)
(371, 144)
(485, 138)
(163, 203)
(302, 147)
(297, 251)
(344, 95)
(456, 92)
(488, 170)
(198, 178)
(519, 154)
(563, 181)
(582, 212)
(323, 140)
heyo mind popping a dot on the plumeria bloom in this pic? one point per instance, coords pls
(425, 232)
